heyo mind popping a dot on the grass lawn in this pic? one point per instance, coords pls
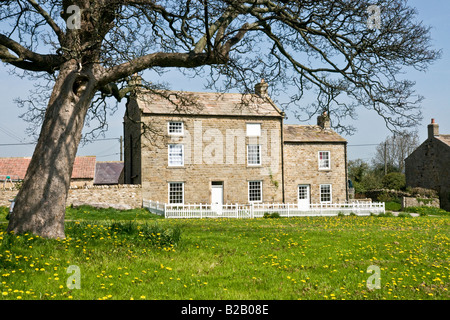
(136, 255)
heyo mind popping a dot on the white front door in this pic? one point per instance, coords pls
(303, 197)
(217, 197)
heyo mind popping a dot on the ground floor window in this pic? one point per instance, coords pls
(325, 193)
(255, 191)
(176, 192)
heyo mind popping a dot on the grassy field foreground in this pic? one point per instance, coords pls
(136, 255)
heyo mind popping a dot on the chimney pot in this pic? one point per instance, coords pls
(433, 129)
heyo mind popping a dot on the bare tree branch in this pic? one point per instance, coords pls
(26, 58)
(59, 33)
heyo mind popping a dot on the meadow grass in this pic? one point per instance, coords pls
(136, 255)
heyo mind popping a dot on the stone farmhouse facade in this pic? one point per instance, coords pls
(429, 165)
(219, 148)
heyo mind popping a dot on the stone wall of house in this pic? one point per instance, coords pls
(301, 167)
(215, 149)
(118, 196)
(428, 167)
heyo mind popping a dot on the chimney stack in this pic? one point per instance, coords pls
(323, 121)
(261, 89)
(433, 129)
(135, 80)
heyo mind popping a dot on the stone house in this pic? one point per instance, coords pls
(429, 165)
(196, 147)
(315, 164)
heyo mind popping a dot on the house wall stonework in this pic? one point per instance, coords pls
(428, 167)
(215, 149)
(301, 168)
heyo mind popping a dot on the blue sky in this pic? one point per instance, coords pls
(434, 85)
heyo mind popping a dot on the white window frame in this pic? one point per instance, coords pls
(258, 155)
(175, 133)
(331, 193)
(260, 190)
(182, 192)
(253, 129)
(170, 163)
(321, 161)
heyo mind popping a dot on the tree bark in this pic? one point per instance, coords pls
(40, 203)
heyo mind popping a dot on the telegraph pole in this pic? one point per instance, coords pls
(385, 158)
(121, 148)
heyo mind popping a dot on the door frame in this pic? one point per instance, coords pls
(304, 206)
(215, 185)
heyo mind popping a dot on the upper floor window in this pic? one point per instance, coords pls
(175, 127)
(324, 160)
(254, 154)
(253, 129)
(176, 155)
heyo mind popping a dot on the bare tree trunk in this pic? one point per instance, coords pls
(40, 203)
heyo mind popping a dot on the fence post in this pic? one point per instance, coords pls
(237, 209)
(252, 213)
(165, 210)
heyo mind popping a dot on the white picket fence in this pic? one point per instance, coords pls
(257, 210)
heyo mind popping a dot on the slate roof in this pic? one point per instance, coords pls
(16, 168)
(206, 103)
(445, 138)
(108, 172)
(310, 133)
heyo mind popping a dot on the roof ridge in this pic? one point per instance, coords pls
(210, 104)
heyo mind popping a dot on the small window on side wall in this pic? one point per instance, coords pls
(175, 128)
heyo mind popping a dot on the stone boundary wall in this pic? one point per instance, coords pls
(419, 202)
(115, 196)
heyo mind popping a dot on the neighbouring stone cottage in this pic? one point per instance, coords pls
(429, 165)
(197, 147)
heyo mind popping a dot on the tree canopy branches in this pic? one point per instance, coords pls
(299, 46)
